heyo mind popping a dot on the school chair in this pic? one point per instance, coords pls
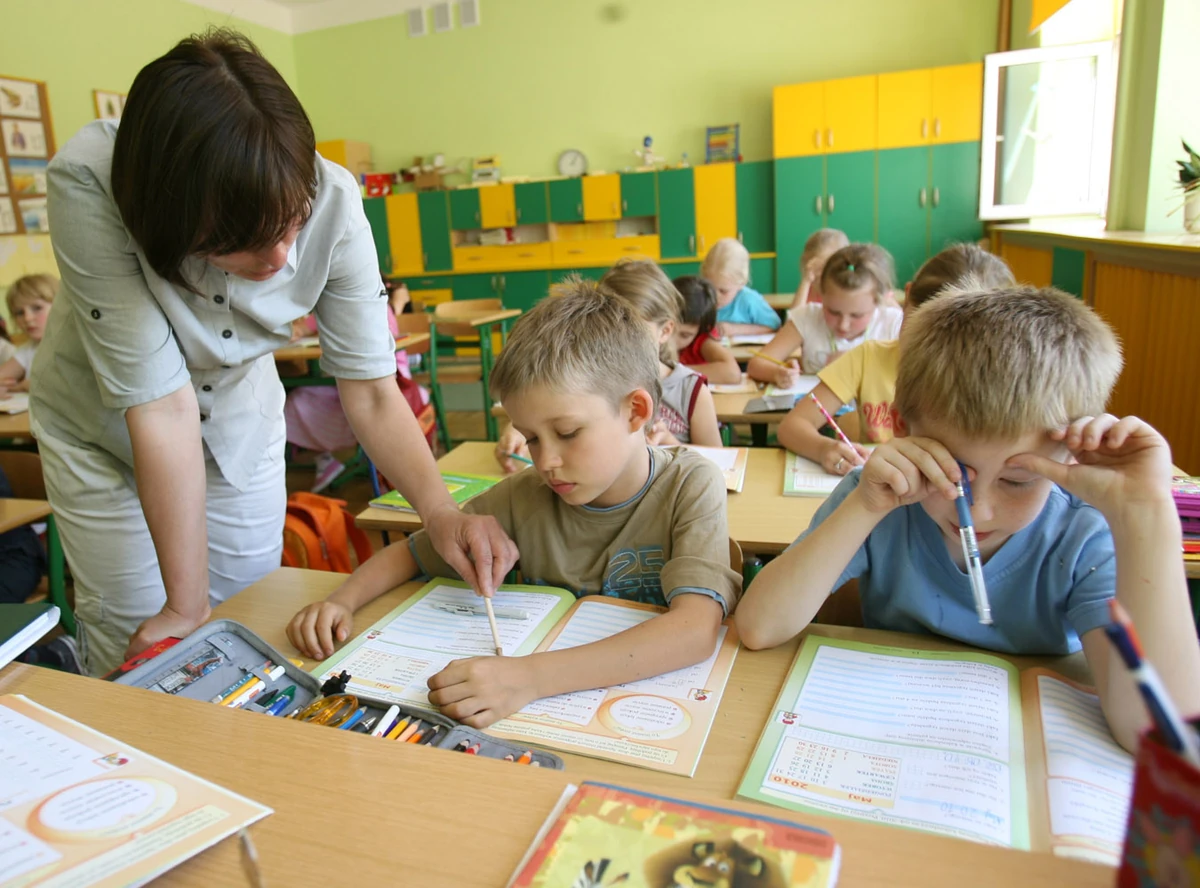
(842, 608)
(24, 471)
(738, 564)
(434, 375)
(459, 320)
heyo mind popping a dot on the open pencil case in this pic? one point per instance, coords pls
(209, 663)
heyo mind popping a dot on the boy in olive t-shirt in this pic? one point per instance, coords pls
(600, 512)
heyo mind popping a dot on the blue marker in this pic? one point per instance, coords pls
(966, 532)
(283, 701)
(353, 720)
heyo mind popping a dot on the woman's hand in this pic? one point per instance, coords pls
(476, 546)
(167, 623)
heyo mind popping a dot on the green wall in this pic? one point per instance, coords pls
(76, 46)
(539, 76)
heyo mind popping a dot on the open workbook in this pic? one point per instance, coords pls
(958, 743)
(659, 723)
(731, 461)
(79, 808)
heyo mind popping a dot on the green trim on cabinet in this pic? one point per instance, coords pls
(533, 203)
(434, 213)
(1067, 272)
(756, 205)
(464, 209)
(639, 195)
(676, 214)
(566, 200)
(375, 209)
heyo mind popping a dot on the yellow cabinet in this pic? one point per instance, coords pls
(957, 103)
(850, 114)
(497, 206)
(799, 117)
(404, 233)
(502, 257)
(601, 197)
(905, 98)
(354, 156)
(716, 204)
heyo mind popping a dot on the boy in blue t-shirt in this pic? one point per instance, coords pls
(1072, 506)
(740, 309)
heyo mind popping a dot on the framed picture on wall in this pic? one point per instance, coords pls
(109, 105)
(26, 146)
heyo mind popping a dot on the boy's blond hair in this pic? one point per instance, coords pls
(959, 266)
(650, 292)
(728, 260)
(822, 242)
(1004, 363)
(30, 288)
(588, 340)
(857, 266)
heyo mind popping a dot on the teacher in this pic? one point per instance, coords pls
(188, 239)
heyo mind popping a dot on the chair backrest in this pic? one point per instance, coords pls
(464, 308)
(735, 555)
(417, 322)
(24, 471)
(843, 607)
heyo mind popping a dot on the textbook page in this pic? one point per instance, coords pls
(803, 386)
(659, 723)
(81, 808)
(1088, 778)
(443, 621)
(930, 740)
(732, 462)
(803, 477)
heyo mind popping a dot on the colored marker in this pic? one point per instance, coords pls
(269, 698)
(525, 758)
(1177, 734)
(253, 689)
(353, 719)
(509, 758)
(970, 547)
(283, 701)
(462, 745)
(410, 730)
(521, 459)
(240, 683)
(472, 750)
(396, 729)
(385, 723)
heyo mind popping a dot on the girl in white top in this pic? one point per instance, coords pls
(855, 287)
(29, 299)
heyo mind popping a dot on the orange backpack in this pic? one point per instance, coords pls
(318, 533)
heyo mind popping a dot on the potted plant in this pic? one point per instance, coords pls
(1189, 184)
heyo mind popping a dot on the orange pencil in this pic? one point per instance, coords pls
(526, 758)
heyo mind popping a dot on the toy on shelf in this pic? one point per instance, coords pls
(377, 184)
(646, 153)
(486, 169)
(722, 143)
(428, 175)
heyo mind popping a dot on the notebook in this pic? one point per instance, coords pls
(659, 723)
(80, 808)
(803, 386)
(746, 387)
(730, 460)
(462, 488)
(21, 625)
(601, 835)
(957, 743)
(803, 477)
(14, 402)
(751, 338)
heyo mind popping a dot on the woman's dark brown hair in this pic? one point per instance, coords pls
(214, 154)
(959, 265)
(699, 302)
(858, 266)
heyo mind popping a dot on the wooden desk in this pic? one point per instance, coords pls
(761, 518)
(351, 809)
(313, 352)
(18, 512)
(15, 425)
(780, 301)
(482, 319)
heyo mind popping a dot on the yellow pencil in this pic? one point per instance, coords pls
(396, 729)
(767, 357)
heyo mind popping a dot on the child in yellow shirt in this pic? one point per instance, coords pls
(866, 374)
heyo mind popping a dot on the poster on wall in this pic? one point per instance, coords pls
(109, 105)
(26, 147)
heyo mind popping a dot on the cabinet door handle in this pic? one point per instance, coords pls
(829, 138)
(817, 205)
(937, 127)
(921, 198)
(830, 204)
(503, 283)
(424, 261)
(493, 282)
(579, 209)
(477, 215)
(518, 214)
(817, 138)
(692, 244)
(624, 205)
(701, 243)
(614, 209)
(740, 240)
(924, 127)
(937, 196)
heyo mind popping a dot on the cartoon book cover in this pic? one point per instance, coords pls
(607, 835)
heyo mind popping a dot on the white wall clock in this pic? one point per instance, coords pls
(572, 163)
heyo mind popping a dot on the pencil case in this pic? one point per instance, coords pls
(223, 659)
(1162, 837)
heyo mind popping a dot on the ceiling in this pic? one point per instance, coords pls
(298, 16)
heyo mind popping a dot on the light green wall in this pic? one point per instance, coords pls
(539, 76)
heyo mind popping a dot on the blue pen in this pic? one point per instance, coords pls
(1176, 733)
(353, 720)
(283, 701)
(966, 532)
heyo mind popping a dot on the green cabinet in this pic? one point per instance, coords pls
(638, 195)
(524, 289)
(533, 204)
(762, 275)
(475, 286)
(566, 200)
(954, 197)
(756, 206)
(799, 211)
(464, 209)
(376, 210)
(679, 269)
(676, 213)
(435, 230)
(850, 194)
(904, 199)
(1068, 270)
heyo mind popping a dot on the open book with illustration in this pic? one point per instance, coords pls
(460, 486)
(731, 461)
(958, 743)
(659, 723)
(605, 835)
(80, 808)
